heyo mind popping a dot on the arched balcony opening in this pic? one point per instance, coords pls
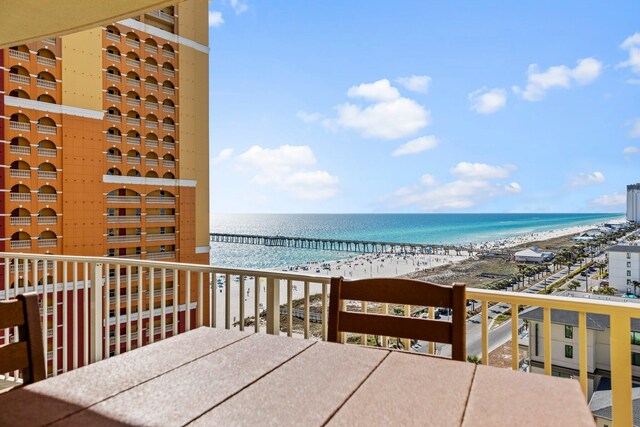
(133, 157)
(151, 159)
(168, 175)
(114, 155)
(114, 172)
(151, 174)
(151, 140)
(168, 124)
(114, 94)
(151, 102)
(151, 83)
(132, 94)
(167, 50)
(46, 53)
(47, 216)
(114, 135)
(113, 30)
(46, 98)
(133, 172)
(151, 65)
(20, 193)
(47, 239)
(19, 121)
(161, 197)
(133, 99)
(133, 137)
(133, 118)
(150, 45)
(168, 70)
(132, 40)
(168, 106)
(46, 80)
(20, 145)
(22, 48)
(47, 148)
(47, 171)
(20, 169)
(47, 193)
(113, 54)
(46, 57)
(151, 121)
(20, 240)
(114, 75)
(19, 74)
(132, 59)
(114, 115)
(168, 88)
(19, 93)
(20, 217)
(168, 161)
(124, 195)
(47, 126)
(133, 79)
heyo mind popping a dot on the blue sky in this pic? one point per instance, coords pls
(423, 106)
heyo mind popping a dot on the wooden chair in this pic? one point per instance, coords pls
(26, 354)
(400, 291)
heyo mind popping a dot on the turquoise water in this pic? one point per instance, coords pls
(402, 228)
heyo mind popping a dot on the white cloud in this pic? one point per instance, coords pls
(483, 171)
(239, 6)
(635, 128)
(415, 146)
(289, 169)
(390, 116)
(488, 101)
(473, 186)
(581, 179)
(308, 117)
(610, 200)
(415, 83)
(538, 82)
(215, 18)
(632, 44)
(223, 155)
(631, 150)
(380, 90)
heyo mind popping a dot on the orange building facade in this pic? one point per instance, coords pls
(106, 144)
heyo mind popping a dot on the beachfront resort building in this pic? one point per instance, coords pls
(624, 267)
(633, 202)
(565, 355)
(532, 255)
(105, 148)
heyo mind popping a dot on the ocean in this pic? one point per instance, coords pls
(401, 228)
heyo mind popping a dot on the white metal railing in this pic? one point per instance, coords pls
(51, 40)
(133, 160)
(24, 56)
(161, 218)
(19, 126)
(134, 238)
(168, 145)
(113, 37)
(20, 220)
(168, 54)
(150, 48)
(47, 130)
(20, 197)
(131, 256)
(161, 255)
(47, 152)
(47, 243)
(168, 127)
(151, 162)
(47, 174)
(113, 97)
(114, 158)
(160, 237)
(133, 82)
(169, 73)
(113, 57)
(151, 68)
(168, 90)
(168, 163)
(114, 77)
(113, 118)
(161, 200)
(123, 219)
(151, 142)
(132, 62)
(47, 197)
(114, 138)
(133, 140)
(132, 121)
(123, 199)
(150, 124)
(133, 43)
(19, 78)
(168, 108)
(151, 86)
(19, 149)
(46, 84)
(20, 244)
(45, 61)
(19, 173)
(134, 102)
(47, 220)
(162, 15)
(151, 105)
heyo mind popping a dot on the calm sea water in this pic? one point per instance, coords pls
(402, 228)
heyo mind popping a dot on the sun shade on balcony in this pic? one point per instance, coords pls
(23, 21)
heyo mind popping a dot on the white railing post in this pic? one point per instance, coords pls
(95, 313)
(272, 305)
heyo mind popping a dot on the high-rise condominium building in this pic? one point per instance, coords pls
(105, 144)
(633, 202)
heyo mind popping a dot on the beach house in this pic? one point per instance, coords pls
(530, 255)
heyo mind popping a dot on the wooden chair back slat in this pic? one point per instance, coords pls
(405, 292)
(28, 353)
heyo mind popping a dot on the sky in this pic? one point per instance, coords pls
(423, 106)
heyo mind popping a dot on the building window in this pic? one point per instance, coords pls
(635, 338)
(628, 256)
(628, 264)
(555, 373)
(568, 351)
(635, 359)
(628, 273)
(568, 332)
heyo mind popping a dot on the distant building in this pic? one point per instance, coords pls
(633, 202)
(530, 255)
(624, 266)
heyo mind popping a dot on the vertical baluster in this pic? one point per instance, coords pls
(214, 299)
(546, 332)
(363, 337)
(406, 342)
(7, 285)
(128, 303)
(385, 311)
(201, 298)
(150, 320)
(485, 332)
(620, 353)
(306, 309)
(55, 318)
(256, 301)
(85, 311)
(140, 303)
(227, 302)
(45, 314)
(325, 316)
(431, 314)
(163, 303)
(582, 345)
(117, 310)
(74, 308)
(176, 301)
(242, 300)
(106, 336)
(515, 352)
(289, 307)
(65, 317)
(187, 312)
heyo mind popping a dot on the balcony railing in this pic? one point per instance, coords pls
(114, 138)
(20, 220)
(133, 43)
(133, 82)
(151, 143)
(47, 220)
(47, 152)
(168, 90)
(114, 77)
(151, 162)
(132, 62)
(20, 126)
(162, 16)
(168, 145)
(161, 255)
(113, 37)
(113, 118)
(20, 173)
(168, 109)
(20, 197)
(134, 238)
(169, 73)
(20, 244)
(113, 158)
(123, 219)
(123, 199)
(113, 57)
(151, 105)
(168, 163)
(161, 200)
(150, 48)
(46, 84)
(47, 243)
(151, 86)
(19, 78)
(113, 97)
(47, 174)
(51, 40)
(151, 125)
(133, 160)
(271, 295)
(23, 56)
(133, 121)
(19, 149)
(47, 197)
(45, 61)
(133, 140)
(151, 68)
(160, 237)
(134, 102)
(47, 130)
(161, 218)
(168, 127)
(168, 54)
